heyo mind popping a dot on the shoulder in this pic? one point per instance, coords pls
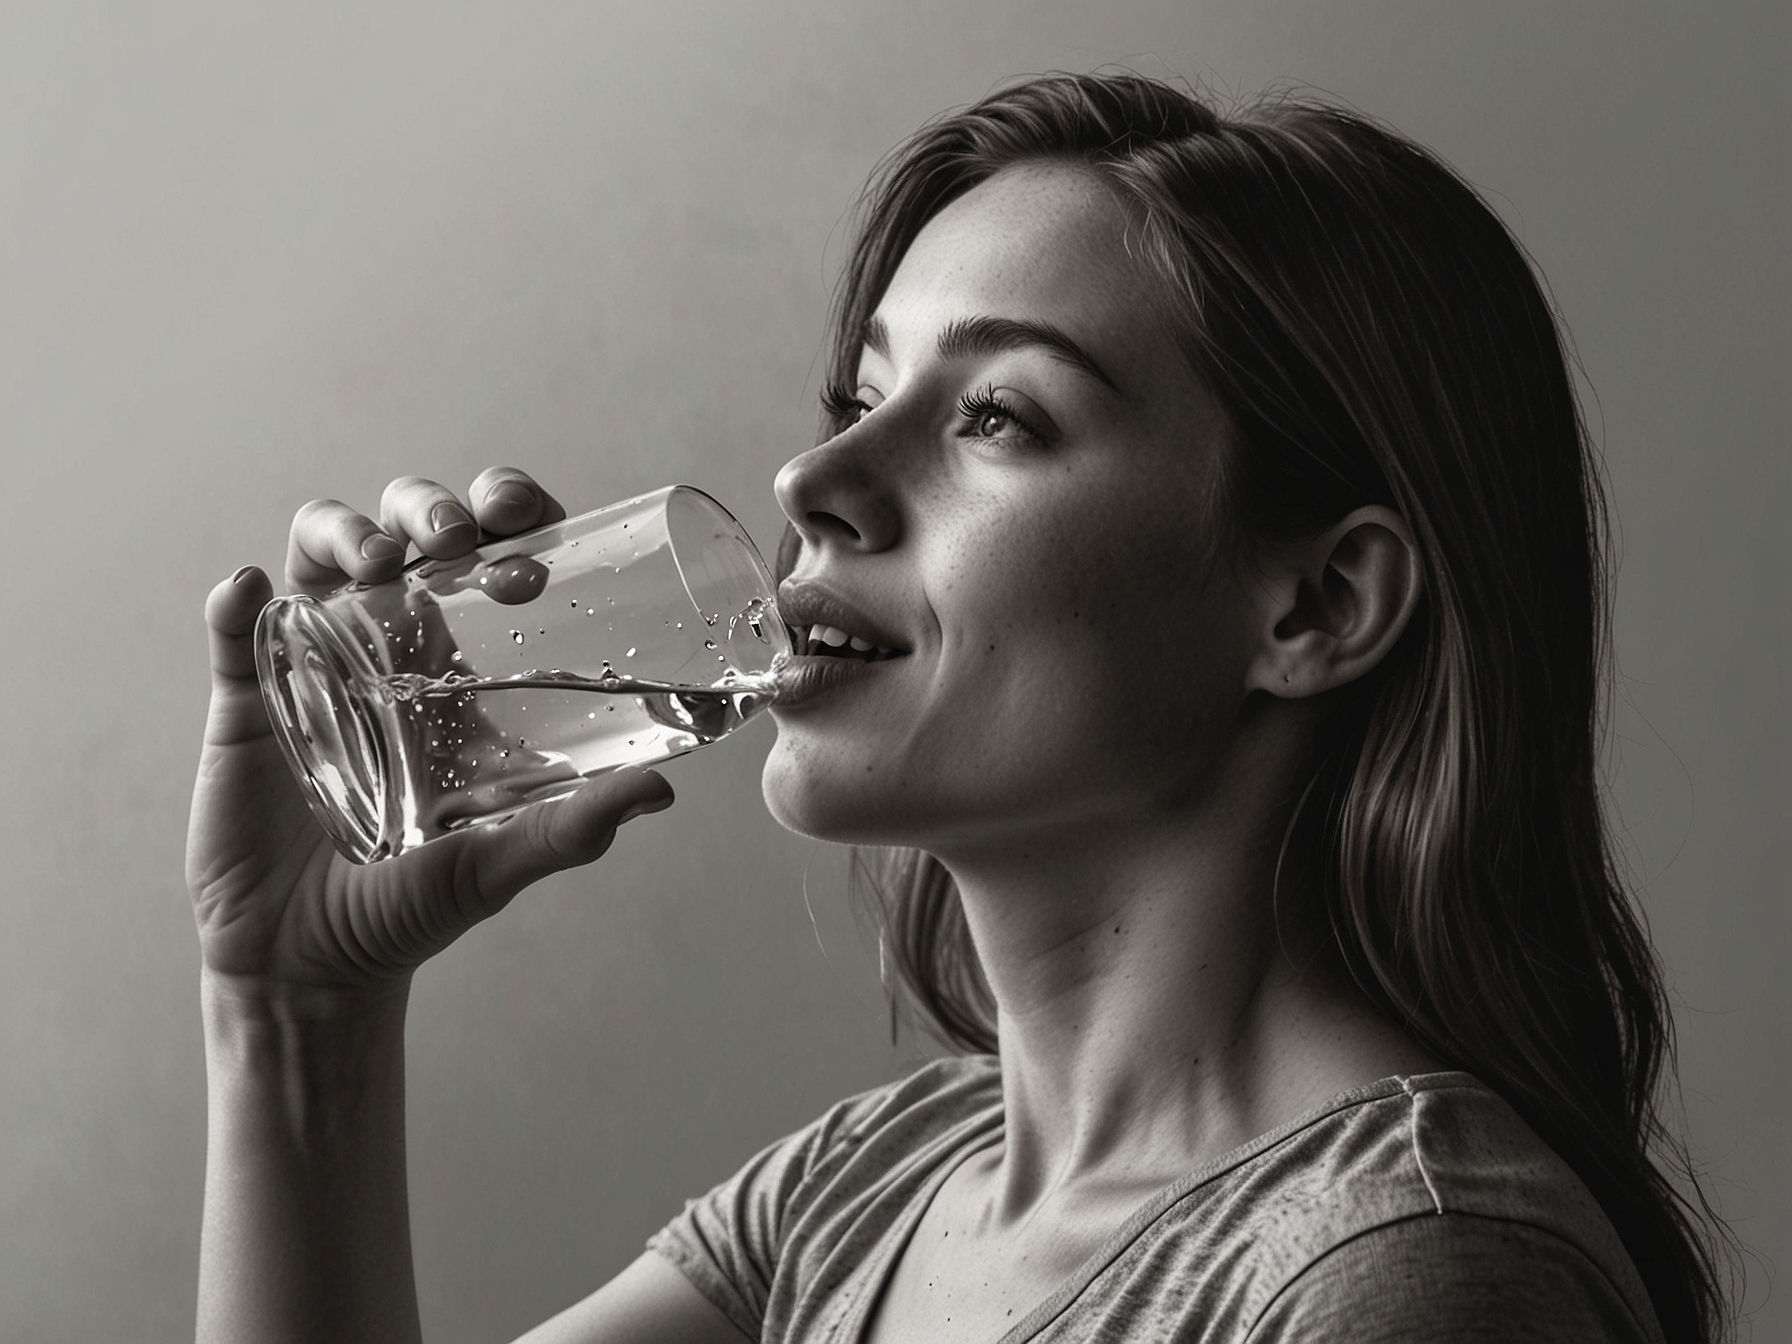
(806, 1213)
(939, 1094)
(859, 1142)
(1435, 1181)
(936, 1103)
(1431, 1144)
(1454, 1276)
(1497, 1184)
(1447, 1143)
(1431, 1181)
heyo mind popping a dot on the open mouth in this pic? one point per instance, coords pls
(827, 641)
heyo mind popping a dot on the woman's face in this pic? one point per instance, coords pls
(1023, 512)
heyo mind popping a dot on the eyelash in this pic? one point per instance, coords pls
(846, 409)
(984, 402)
(842, 406)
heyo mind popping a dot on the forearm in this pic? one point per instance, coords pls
(306, 1232)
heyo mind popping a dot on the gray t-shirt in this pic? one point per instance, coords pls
(1418, 1209)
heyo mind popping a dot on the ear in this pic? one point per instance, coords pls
(1336, 604)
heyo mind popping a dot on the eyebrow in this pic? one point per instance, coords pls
(970, 336)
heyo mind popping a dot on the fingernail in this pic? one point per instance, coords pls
(510, 492)
(445, 516)
(380, 547)
(242, 573)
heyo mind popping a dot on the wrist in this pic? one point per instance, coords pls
(304, 1035)
(306, 1229)
(228, 1000)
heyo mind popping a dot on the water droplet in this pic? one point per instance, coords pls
(455, 657)
(610, 709)
(709, 643)
(721, 657)
(756, 609)
(591, 611)
(592, 714)
(521, 743)
(680, 625)
(515, 580)
(505, 752)
(575, 604)
(517, 636)
(631, 741)
(629, 654)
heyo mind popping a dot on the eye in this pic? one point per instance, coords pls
(846, 408)
(989, 415)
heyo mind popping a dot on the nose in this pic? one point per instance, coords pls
(835, 495)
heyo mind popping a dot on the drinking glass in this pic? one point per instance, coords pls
(466, 689)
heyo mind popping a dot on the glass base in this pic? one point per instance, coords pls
(322, 697)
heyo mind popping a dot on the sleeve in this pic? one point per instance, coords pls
(1452, 1277)
(727, 1242)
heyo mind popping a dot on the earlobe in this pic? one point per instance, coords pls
(1343, 598)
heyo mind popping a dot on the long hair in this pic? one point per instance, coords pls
(1377, 336)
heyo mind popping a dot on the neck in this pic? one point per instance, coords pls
(1152, 1011)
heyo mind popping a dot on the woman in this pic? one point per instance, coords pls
(1213, 496)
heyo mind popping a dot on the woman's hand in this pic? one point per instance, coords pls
(277, 907)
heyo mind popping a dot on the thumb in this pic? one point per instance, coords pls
(230, 614)
(488, 865)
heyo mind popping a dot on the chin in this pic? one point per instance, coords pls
(842, 802)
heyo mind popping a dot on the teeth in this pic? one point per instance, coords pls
(818, 636)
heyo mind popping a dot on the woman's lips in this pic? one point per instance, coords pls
(803, 677)
(807, 607)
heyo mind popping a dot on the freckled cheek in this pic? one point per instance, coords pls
(1113, 613)
(1026, 588)
(1020, 565)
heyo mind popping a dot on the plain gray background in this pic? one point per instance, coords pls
(250, 255)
